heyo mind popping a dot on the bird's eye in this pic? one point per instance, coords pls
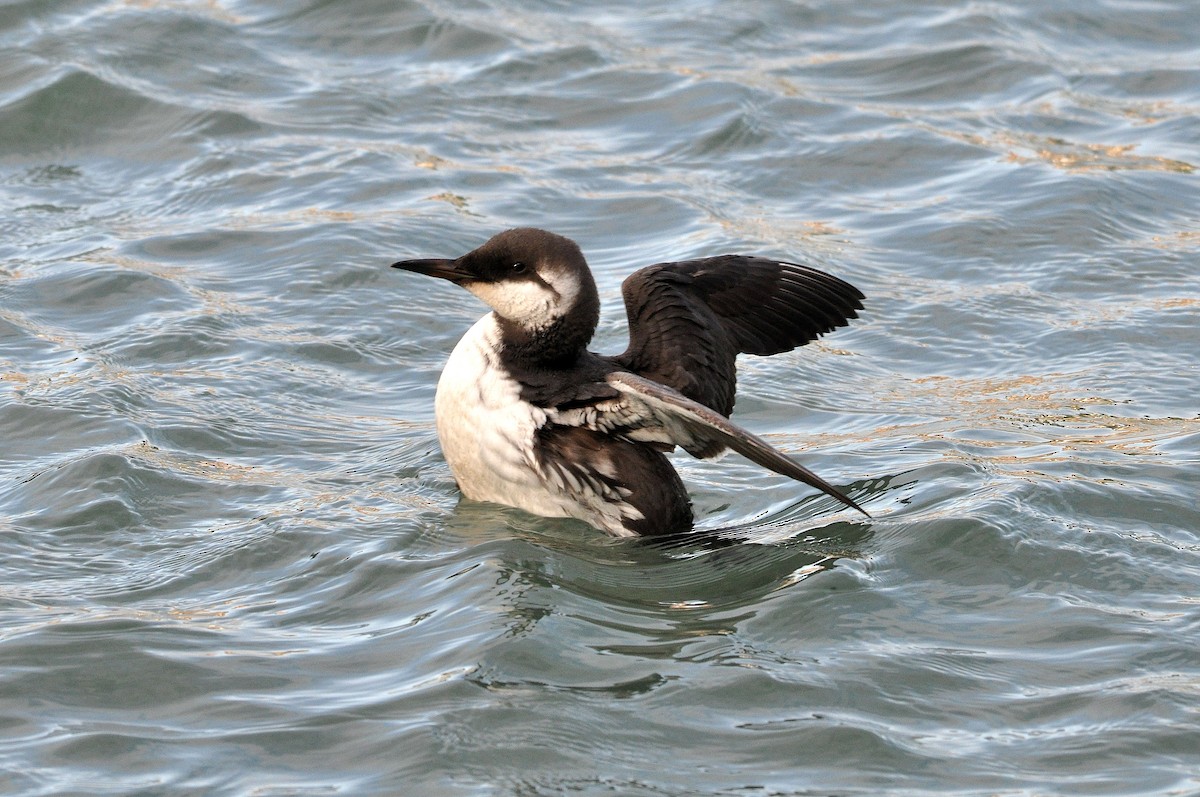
(517, 268)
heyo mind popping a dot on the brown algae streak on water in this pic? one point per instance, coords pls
(1184, 239)
(1065, 154)
(1071, 156)
(1039, 407)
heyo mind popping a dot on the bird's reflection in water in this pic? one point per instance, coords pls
(540, 563)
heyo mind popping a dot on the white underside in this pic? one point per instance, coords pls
(488, 433)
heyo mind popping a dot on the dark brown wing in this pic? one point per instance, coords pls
(642, 410)
(689, 320)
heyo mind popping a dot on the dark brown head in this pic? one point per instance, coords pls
(536, 282)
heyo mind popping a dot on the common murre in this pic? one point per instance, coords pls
(528, 417)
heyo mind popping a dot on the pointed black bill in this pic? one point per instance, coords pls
(434, 267)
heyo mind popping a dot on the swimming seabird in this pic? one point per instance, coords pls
(528, 417)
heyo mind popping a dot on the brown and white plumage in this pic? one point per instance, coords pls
(528, 417)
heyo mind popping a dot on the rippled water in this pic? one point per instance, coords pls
(233, 561)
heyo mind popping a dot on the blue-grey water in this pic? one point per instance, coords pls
(233, 560)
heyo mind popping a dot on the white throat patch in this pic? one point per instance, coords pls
(530, 303)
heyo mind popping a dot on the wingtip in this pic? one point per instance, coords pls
(834, 492)
(860, 509)
(803, 474)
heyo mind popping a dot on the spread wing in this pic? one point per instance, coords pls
(646, 411)
(689, 320)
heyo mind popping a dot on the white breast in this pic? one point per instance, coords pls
(487, 430)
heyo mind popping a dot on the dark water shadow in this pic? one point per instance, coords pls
(708, 567)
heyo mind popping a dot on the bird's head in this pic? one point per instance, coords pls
(529, 277)
(536, 282)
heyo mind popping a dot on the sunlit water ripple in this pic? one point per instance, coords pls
(234, 561)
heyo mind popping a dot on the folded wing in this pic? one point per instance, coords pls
(646, 411)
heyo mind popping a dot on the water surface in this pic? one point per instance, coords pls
(233, 561)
